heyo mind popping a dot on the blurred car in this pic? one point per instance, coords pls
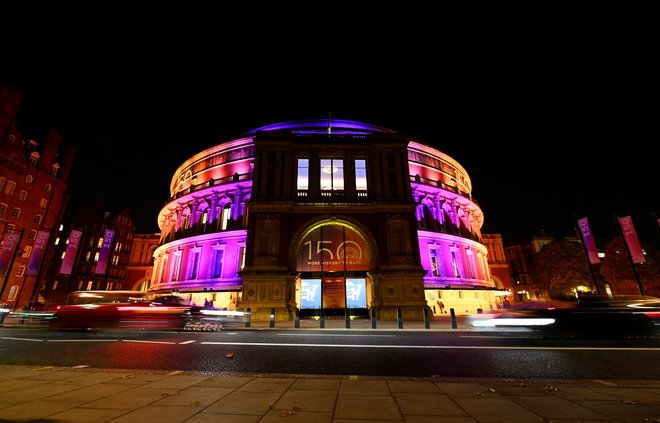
(593, 316)
(212, 319)
(122, 309)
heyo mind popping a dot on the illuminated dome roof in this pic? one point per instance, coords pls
(322, 126)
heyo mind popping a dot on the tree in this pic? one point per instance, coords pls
(618, 272)
(561, 268)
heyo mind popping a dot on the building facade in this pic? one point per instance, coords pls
(92, 252)
(141, 261)
(324, 217)
(33, 184)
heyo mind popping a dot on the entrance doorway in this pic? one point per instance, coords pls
(333, 261)
(334, 295)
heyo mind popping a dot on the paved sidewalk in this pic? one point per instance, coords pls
(60, 394)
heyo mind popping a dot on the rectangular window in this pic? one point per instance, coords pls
(33, 234)
(176, 267)
(22, 195)
(194, 265)
(332, 174)
(37, 219)
(226, 215)
(12, 293)
(20, 271)
(163, 269)
(218, 253)
(361, 175)
(34, 157)
(436, 262)
(471, 264)
(9, 190)
(217, 262)
(241, 255)
(303, 174)
(455, 265)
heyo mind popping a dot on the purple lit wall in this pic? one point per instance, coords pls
(224, 246)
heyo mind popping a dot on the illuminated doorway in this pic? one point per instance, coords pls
(333, 262)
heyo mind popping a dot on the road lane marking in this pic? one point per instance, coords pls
(186, 342)
(332, 334)
(81, 340)
(605, 382)
(439, 347)
(137, 341)
(22, 339)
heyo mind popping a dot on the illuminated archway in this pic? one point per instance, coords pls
(333, 259)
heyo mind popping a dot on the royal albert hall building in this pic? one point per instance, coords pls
(324, 215)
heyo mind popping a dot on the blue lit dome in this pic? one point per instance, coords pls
(323, 126)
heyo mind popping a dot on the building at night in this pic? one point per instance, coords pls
(141, 261)
(33, 183)
(92, 252)
(317, 215)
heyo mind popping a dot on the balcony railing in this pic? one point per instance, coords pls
(213, 182)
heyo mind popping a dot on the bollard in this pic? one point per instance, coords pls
(427, 323)
(248, 318)
(373, 318)
(272, 317)
(399, 318)
(297, 321)
(322, 320)
(347, 317)
(453, 319)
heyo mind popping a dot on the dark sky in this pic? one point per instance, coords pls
(536, 155)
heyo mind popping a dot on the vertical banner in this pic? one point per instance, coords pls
(37, 256)
(7, 251)
(588, 240)
(106, 252)
(70, 253)
(630, 236)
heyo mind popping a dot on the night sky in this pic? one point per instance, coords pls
(535, 157)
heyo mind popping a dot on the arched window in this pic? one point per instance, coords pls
(427, 219)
